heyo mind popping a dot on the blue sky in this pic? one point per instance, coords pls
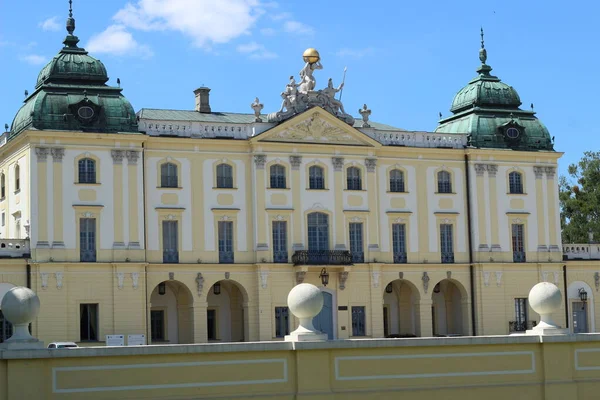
(406, 60)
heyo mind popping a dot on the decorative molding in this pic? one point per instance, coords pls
(343, 276)
(227, 275)
(260, 160)
(400, 275)
(375, 276)
(135, 277)
(448, 274)
(315, 130)
(556, 277)
(120, 279)
(295, 161)
(42, 153)
(59, 280)
(550, 172)
(44, 277)
(264, 275)
(545, 276)
(132, 156)
(57, 154)
(492, 170)
(479, 169)
(486, 278)
(425, 278)
(171, 276)
(356, 219)
(498, 278)
(300, 277)
(199, 283)
(538, 171)
(597, 280)
(371, 163)
(338, 163)
(117, 156)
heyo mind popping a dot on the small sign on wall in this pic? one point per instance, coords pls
(136, 340)
(115, 340)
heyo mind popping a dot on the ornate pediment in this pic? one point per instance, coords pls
(318, 127)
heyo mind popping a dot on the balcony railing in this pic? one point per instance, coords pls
(225, 257)
(14, 248)
(87, 256)
(170, 256)
(447, 258)
(520, 326)
(358, 257)
(322, 257)
(280, 257)
(518, 256)
(400, 258)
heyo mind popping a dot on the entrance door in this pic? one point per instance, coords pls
(580, 323)
(324, 321)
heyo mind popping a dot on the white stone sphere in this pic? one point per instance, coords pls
(20, 305)
(545, 298)
(305, 300)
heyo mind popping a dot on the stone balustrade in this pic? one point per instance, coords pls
(576, 251)
(14, 248)
(421, 139)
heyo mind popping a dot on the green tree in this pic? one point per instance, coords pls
(579, 196)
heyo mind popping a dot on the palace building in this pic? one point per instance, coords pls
(192, 226)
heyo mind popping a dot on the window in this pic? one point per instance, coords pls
(444, 182)
(3, 219)
(6, 328)
(518, 243)
(280, 254)
(515, 182)
(358, 321)
(353, 179)
(318, 231)
(168, 175)
(282, 325)
(87, 170)
(520, 322)
(396, 181)
(224, 176)
(446, 243)
(316, 178)
(399, 243)
(170, 235)
(157, 325)
(225, 242)
(277, 177)
(87, 239)
(88, 322)
(2, 186)
(356, 242)
(211, 324)
(17, 178)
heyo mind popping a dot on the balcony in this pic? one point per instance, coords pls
(225, 257)
(322, 257)
(87, 255)
(358, 257)
(447, 258)
(170, 256)
(520, 326)
(14, 248)
(519, 256)
(400, 258)
(280, 257)
(581, 251)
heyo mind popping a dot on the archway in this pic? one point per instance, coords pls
(227, 312)
(581, 314)
(6, 329)
(171, 313)
(449, 310)
(401, 309)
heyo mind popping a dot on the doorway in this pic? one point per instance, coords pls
(580, 317)
(324, 320)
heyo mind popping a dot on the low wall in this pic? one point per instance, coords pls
(493, 367)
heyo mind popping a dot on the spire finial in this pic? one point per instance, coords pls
(70, 8)
(482, 52)
(71, 20)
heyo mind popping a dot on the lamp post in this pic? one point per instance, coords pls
(162, 288)
(388, 288)
(583, 297)
(217, 288)
(324, 277)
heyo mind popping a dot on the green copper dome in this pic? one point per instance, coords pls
(488, 111)
(71, 94)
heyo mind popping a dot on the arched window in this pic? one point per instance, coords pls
(277, 176)
(515, 182)
(224, 176)
(2, 186)
(318, 231)
(87, 170)
(353, 179)
(316, 178)
(168, 175)
(17, 178)
(396, 181)
(444, 182)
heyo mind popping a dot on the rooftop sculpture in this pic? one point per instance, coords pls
(298, 97)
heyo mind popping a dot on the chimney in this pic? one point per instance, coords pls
(202, 103)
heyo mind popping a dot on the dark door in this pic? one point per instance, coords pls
(324, 321)
(580, 320)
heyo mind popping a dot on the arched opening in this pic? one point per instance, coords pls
(171, 314)
(227, 312)
(6, 329)
(581, 313)
(401, 309)
(449, 310)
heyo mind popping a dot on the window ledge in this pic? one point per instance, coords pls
(355, 190)
(87, 184)
(322, 190)
(516, 194)
(444, 193)
(272, 188)
(389, 191)
(222, 188)
(169, 188)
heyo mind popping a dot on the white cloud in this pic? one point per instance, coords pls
(354, 53)
(256, 51)
(297, 27)
(51, 24)
(281, 16)
(118, 41)
(268, 31)
(34, 59)
(204, 21)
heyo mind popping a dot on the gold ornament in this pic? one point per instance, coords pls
(311, 55)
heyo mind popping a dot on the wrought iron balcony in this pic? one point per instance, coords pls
(170, 256)
(87, 256)
(358, 257)
(280, 257)
(520, 326)
(225, 257)
(447, 258)
(322, 257)
(400, 258)
(518, 256)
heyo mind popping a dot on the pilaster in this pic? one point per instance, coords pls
(57, 158)
(261, 222)
(132, 177)
(42, 191)
(541, 218)
(338, 216)
(482, 207)
(265, 314)
(425, 321)
(117, 156)
(372, 192)
(422, 210)
(553, 218)
(297, 241)
(492, 170)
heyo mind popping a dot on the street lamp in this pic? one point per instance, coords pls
(217, 288)
(324, 277)
(162, 288)
(388, 288)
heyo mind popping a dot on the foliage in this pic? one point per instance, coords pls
(579, 195)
